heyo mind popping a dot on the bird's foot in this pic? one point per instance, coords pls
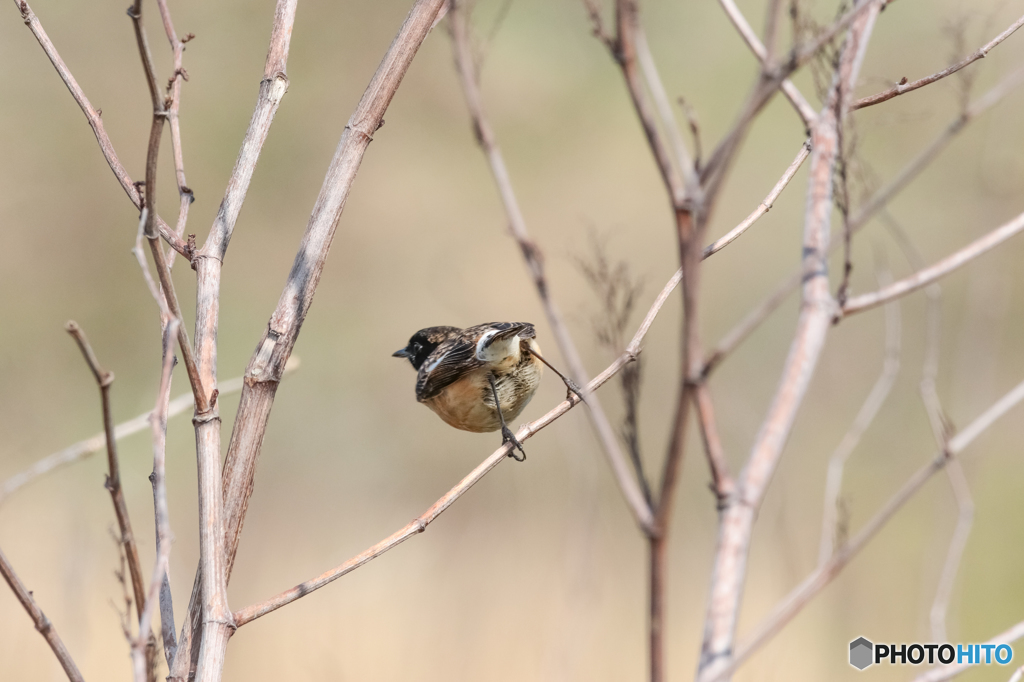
(508, 437)
(573, 388)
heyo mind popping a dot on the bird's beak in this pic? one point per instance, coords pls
(401, 353)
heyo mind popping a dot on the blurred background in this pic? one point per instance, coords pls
(538, 573)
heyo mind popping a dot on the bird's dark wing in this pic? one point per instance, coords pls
(451, 360)
(456, 356)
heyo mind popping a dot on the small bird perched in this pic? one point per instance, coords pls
(464, 375)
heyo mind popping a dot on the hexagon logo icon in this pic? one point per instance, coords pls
(861, 650)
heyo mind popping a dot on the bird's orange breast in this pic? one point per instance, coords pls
(468, 403)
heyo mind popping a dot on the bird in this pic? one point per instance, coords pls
(464, 375)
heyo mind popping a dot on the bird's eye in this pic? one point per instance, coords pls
(416, 348)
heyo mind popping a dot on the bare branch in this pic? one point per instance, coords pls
(628, 485)
(266, 365)
(649, 69)
(756, 316)
(96, 123)
(42, 623)
(947, 265)
(90, 446)
(948, 672)
(764, 206)
(418, 525)
(817, 307)
(801, 595)
(113, 483)
(792, 93)
(721, 479)
(904, 87)
(185, 195)
(208, 263)
(161, 567)
(868, 411)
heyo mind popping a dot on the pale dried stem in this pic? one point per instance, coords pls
(737, 520)
(113, 482)
(868, 411)
(948, 672)
(95, 122)
(879, 199)
(185, 196)
(764, 206)
(955, 551)
(904, 87)
(209, 261)
(684, 161)
(418, 525)
(158, 426)
(266, 366)
(801, 595)
(42, 623)
(161, 566)
(617, 460)
(931, 274)
(792, 93)
(90, 446)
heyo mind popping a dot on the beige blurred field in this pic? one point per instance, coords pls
(538, 572)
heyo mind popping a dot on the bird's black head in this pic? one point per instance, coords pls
(423, 343)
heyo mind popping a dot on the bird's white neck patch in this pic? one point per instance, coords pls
(499, 350)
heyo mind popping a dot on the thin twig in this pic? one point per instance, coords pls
(801, 595)
(92, 445)
(185, 196)
(629, 486)
(161, 566)
(418, 525)
(113, 483)
(96, 123)
(948, 672)
(904, 87)
(942, 430)
(757, 315)
(868, 411)
(42, 623)
(764, 206)
(792, 93)
(947, 265)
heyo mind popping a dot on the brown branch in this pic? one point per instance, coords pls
(904, 87)
(92, 445)
(96, 123)
(737, 520)
(265, 368)
(113, 483)
(723, 484)
(208, 263)
(419, 524)
(42, 623)
(947, 265)
(628, 485)
(801, 595)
